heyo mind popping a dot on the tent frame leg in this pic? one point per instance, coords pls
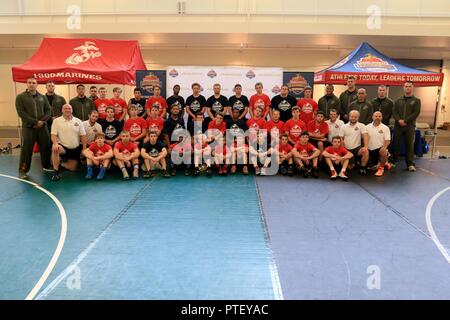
(19, 123)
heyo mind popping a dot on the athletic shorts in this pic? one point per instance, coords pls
(72, 154)
(355, 152)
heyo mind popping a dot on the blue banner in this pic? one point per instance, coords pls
(146, 79)
(297, 81)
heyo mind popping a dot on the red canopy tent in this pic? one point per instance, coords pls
(84, 60)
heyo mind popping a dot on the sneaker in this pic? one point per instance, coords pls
(48, 169)
(233, 169)
(146, 175)
(208, 171)
(196, 171)
(257, 171)
(135, 175)
(154, 173)
(56, 176)
(333, 175)
(343, 176)
(411, 169)
(245, 170)
(225, 170)
(90, 173)
(165, 174)
(379, 172)
(283, 170)
(315, 173)
(363, 171)
(290, 171)
(101, 174)
(173, 172)
(187, 172)
(388, 166)
(23, 175)
(125, 176)
(219, 170)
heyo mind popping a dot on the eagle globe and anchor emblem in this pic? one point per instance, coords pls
(85, 52)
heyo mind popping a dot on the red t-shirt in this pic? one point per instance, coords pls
(263, 99)
(256, 124)
(221, 149)
(120, 107)
(135, 126)
(308, 108)
(125, 149)
(271, 124)
(181, 147)
(101, 105)
(306, 149)
(321, 128)
(99, 151)
(285, 148)
(152, 100)
(221, 127)
(341, 151)
(294, 129)
(155, 124)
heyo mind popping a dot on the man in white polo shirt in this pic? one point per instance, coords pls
(379, 140)
(66, 134)
(334, 125)
(92, 127)
(354, 133)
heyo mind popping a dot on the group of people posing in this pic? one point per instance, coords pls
(281, 134)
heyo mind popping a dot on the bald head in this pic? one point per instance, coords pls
(377, 117)
(362, 94)
(353, 116)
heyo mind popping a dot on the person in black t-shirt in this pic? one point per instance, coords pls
(111, 127)
(283, 102)
(176, 98)
(139, 102)
(216, 103)
(154, 154)
(194, 103)
(238, 102)
(235, 124)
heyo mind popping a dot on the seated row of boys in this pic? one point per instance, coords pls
(300, 144)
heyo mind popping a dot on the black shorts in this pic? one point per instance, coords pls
(72, 154)
(315, 143)
(374, 156)
(355, 152)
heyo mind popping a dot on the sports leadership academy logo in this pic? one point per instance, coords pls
(250, 74)
(211, 73)
(85, 52)
(373, 63)
(297, 84)
(149, 81)
(173, 73)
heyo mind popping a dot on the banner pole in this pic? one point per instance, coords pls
(19, 124)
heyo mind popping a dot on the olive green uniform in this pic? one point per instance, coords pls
(346, 99)
(326, 103)
(31, 109)
(56, 105)
(408, 109)
(365, 110)
(82, 107)
(385, 106)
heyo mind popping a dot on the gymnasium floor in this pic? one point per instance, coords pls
(225, 238)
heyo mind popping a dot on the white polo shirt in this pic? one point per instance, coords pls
(68, 131)
(378, 135)
(91, 131)
(334, 128)
(352, 134)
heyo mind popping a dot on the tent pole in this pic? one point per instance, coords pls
(19, 125)
(438, 102)
(68, 91)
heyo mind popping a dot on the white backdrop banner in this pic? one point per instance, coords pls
(227, 77)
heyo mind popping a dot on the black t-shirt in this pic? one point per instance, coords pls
(193, 130)
(50, 98)
(235, 125)
(140, 104)
(153, 149)
(238, 103)
(217, 104)
(172, 99)
(284, 105)
(196, 104)
(111, 129)
(171, 125)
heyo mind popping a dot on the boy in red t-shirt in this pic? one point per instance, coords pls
(102, 103)
(154, 123)
(337, 157)
(259, 99)
(157, 99)
(136, 125)
(294, 127)
(120, 105)
(257, 122)
(275, 123)
(306, 156)
(221, 156)
(285, 155)
(126, 154)
(318, 131)
(98, 154)
(308, 106)
(238, 154)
